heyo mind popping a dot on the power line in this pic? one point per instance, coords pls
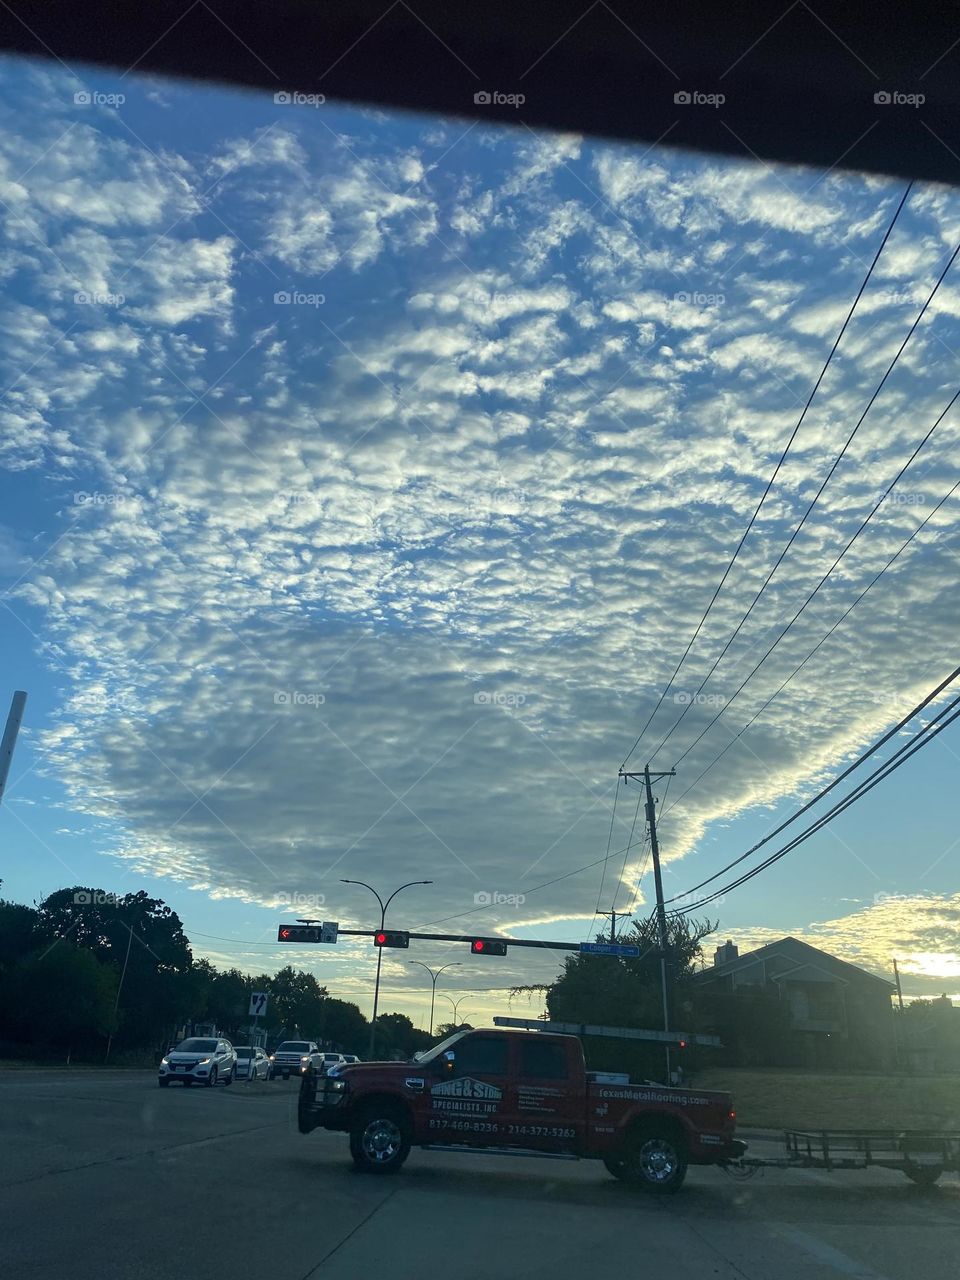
(812, 504)
(904, 753)
(776, 472)
(861, 759)
(623, 869)
(816, 589)
(603, 873)
(796, 671)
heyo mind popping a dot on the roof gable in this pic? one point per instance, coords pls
(798, 955)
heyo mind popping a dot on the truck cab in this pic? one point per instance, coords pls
(519, 1093)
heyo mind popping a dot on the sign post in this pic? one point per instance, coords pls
(258, 1005)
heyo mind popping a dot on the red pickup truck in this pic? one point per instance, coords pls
(519, 1093)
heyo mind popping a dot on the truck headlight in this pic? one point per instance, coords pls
(164, 1062)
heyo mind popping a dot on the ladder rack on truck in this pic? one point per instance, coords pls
(922, 1154)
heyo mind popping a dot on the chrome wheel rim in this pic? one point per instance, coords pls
(381, 1141)
(658, 1160)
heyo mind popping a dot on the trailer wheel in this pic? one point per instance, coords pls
(654, 1158)
(380, 1138)
(924, 1175)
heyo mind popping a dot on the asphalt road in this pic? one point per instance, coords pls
(104, 1176)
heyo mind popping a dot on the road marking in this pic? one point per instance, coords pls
(830, 1256)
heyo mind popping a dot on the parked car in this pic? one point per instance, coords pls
(291, 1058)
(350, 1059)
(252, 1062)
(201, 1059)
(323, 1063)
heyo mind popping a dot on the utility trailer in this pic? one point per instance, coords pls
(922, 1154)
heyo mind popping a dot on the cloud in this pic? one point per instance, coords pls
(502, 457)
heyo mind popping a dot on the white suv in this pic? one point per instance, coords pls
(200, 1058)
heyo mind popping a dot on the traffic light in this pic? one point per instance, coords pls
(391, 938)
(298, 933)
(488, 947)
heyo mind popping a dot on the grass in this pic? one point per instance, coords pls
(819, 1100)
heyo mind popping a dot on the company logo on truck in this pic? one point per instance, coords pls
(467, 1088)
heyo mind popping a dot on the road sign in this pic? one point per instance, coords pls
(607, 949)
(328, 930)
(258, 1003)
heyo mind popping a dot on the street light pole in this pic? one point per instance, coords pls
(456, 1006)
(383, 916)
(434, 975)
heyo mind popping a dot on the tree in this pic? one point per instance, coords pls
(18, 932)
(60, 996)
(345, 1028)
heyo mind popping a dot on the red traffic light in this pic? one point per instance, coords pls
(488, 947)
(391, 938)
(284, 934)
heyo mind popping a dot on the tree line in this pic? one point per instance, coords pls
(88, 974)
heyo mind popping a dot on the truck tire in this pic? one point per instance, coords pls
(653, 1158)
(380, 1137)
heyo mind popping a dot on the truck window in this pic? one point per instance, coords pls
(543, 1060)
(482, 1055)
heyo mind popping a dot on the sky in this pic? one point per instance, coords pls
(363, 477)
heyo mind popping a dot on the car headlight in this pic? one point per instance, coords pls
(305, 1057)
(204, 1062)
(272, 1057)
(164, 1062)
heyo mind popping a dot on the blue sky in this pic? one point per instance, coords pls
(364, 477)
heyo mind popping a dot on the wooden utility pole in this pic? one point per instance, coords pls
(665, 975)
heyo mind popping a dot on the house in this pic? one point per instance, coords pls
(816, 1010)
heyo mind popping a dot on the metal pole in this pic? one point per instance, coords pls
(383, 917)
(9, 739)
(123, 974)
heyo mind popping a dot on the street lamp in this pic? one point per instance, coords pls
(456, 1006)
(434, 974)
(383, 914)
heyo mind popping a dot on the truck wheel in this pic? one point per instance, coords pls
(924, 1175)
(380, 1138)
(654, 1159)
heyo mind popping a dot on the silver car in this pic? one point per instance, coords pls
(204, 1059)
(252, 1062)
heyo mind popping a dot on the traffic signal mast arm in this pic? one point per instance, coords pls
(299, 933)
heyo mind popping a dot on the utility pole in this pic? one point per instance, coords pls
(648, 779)
(896, 975)
(613, 923)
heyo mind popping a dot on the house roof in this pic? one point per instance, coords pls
(800, 955)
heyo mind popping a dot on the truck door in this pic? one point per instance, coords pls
(471, 1102)
(548, 1106)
